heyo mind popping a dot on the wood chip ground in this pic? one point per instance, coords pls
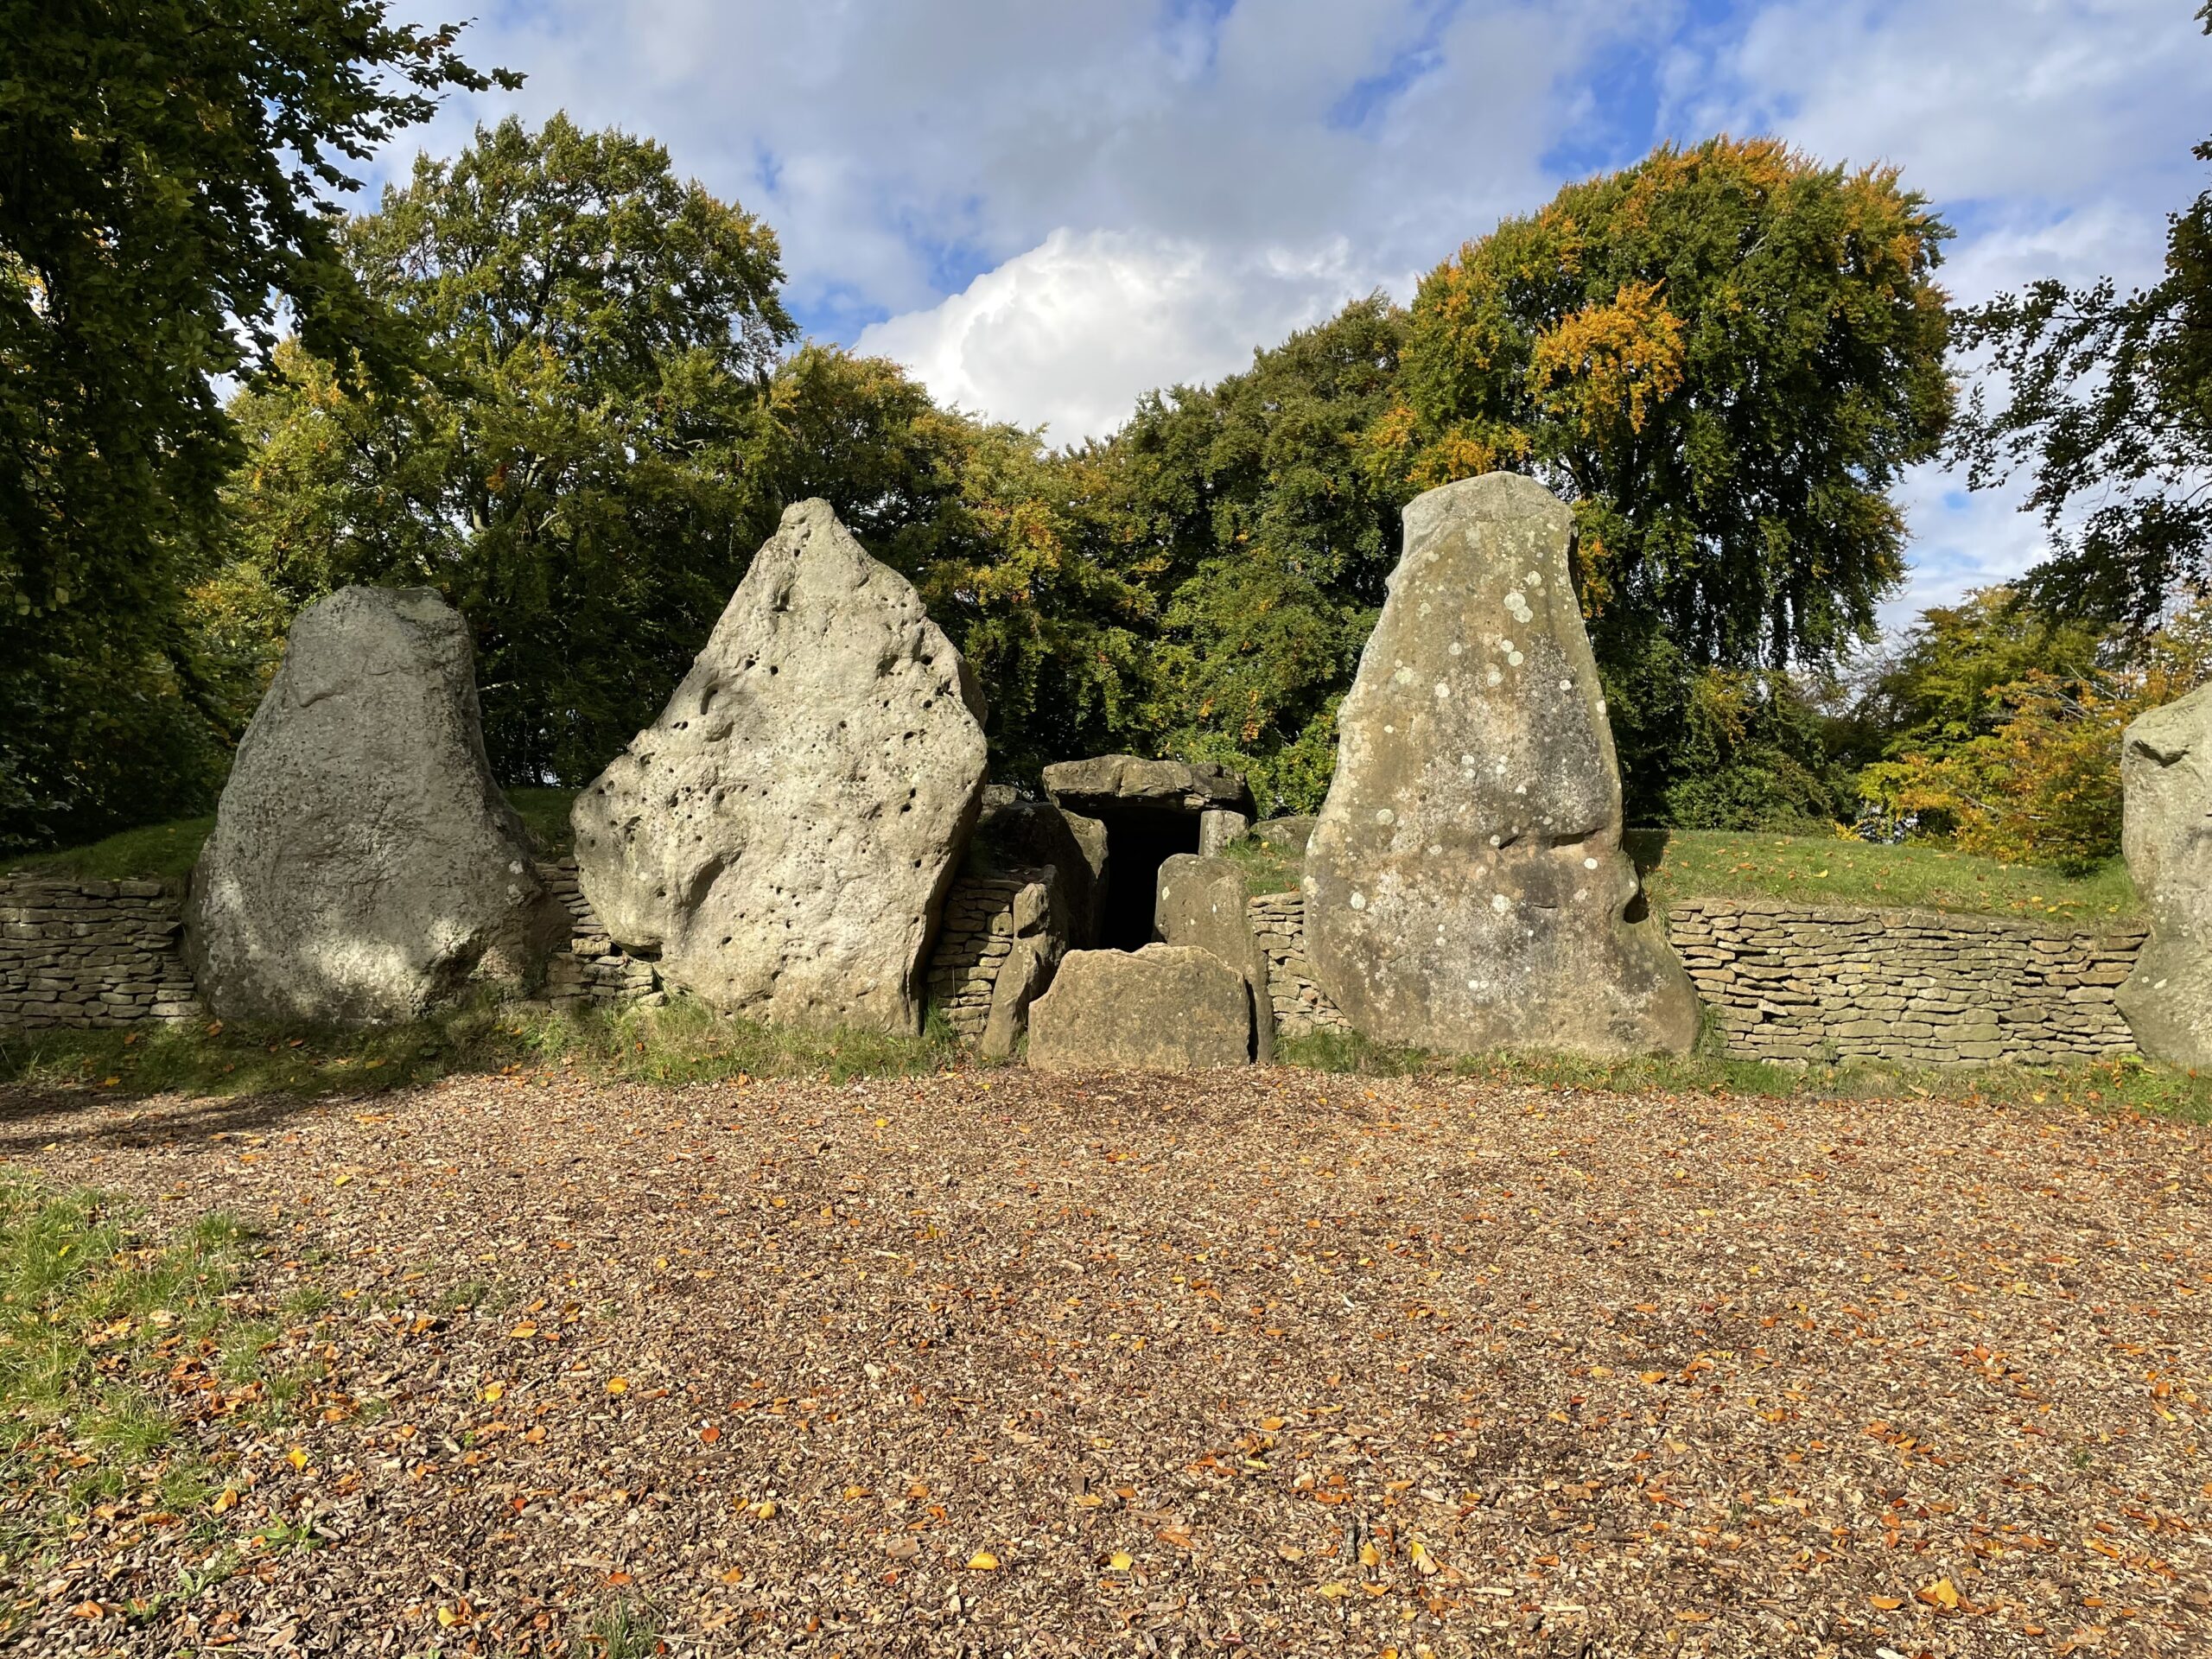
(1269, 1361)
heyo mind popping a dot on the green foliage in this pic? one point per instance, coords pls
(681, 1042)
(84, 1299)
(603, 434)
(1725, 357)
(2039, 782)
(2107, 405)
(1250, 507)
(169, 174)
(569, 468)
(2110, 1086)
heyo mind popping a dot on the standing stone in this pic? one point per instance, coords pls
(1163, 1008)
(783, 836)
(1465, 888)
(1201, 903)
(2165, 774)
(364, 865)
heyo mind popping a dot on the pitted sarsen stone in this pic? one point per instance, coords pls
(1465, 888)
(364, 865)
(2166, 773)
(783, 836)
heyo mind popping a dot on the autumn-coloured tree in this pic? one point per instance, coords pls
(2040, 784)
(1725, 357)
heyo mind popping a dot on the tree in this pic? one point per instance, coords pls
(169, 173)
(569, 465)
(1725, 357)
(2107, 403)
(1249, 509)
(2035, 777)
(604, 430)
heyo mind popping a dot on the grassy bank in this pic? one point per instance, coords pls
(680, 1043)
(2122, 1085)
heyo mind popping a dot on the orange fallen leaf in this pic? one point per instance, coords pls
(1942, 1593)
(710, 1434)
(984, 1561)
(87, 1610)
(524, 1330)
(1887, 1604)
(618, 1385)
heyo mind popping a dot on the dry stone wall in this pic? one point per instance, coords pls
(1796, 984)
(1790, 982)
(1279, 923)
(973, 944)
(91, 953)
(590, 967)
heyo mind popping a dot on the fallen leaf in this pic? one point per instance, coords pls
(984, 1561)
(1334, 1591)
(618, 1385)
(1120, 1560)
(1887, 1604)
(710, 1434)
(524, 1330)
(1942, 1593)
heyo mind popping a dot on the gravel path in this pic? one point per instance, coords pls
(1269, 1361)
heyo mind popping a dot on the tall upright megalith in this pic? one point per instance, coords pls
(783, 836)
(1465, 888)
(364, 865)
(2166, 773)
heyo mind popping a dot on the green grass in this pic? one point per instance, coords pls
(2128, 1084)
(160, 852)
(91, 1311)
(544, 813)
(681, 1042)
(1267, 868)
(1678, 864)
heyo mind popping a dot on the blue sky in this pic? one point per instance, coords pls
(1045, 209)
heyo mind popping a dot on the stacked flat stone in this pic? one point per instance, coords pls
(91, 954)
(1301, 1009)
(974, 941)
(593, 969)
(1796, 984)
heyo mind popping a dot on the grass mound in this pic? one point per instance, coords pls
(1678, 864)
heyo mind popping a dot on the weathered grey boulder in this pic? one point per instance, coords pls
(1288, 835)
(364, 865)
(783, 836)
(1163, 1008)
(1465, 886)
(1201, 903)
(2166, 773)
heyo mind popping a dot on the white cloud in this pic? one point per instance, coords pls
(1070, 333)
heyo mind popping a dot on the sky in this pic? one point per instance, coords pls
(1045, 209)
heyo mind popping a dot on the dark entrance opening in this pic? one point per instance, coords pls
(1137, 844)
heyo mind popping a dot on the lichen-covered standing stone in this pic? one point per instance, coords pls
(364, 865)
(1465, 888)
(2166, 773)
(783, 836)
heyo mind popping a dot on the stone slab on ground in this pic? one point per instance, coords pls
(1163, 1008)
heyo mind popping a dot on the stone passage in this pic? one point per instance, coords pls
(591, 968)
(1279, 923)
(91, 953)
(1790, 982)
